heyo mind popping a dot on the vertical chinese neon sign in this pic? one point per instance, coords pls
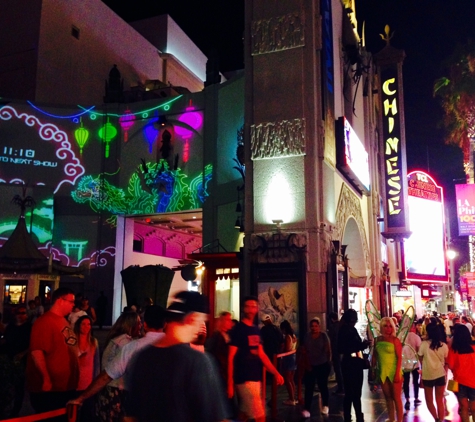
(394, 151)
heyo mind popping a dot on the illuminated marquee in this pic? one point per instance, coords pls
(424, 250)
(394, 152)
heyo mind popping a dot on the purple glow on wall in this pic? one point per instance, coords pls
(192, 119)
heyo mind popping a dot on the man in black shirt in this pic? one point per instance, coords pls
(171, 382)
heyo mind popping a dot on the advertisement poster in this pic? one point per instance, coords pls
(279, 301)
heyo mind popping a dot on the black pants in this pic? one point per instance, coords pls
(337, 369)
(52, 400)
(415, 383)
(318, 374)
(352, 371)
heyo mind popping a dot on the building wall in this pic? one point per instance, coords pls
(19, 47)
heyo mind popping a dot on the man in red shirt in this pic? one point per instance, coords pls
(52, 370)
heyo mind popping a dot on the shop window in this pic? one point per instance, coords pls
(15, 293)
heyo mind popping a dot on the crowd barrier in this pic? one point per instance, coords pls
(70, 411)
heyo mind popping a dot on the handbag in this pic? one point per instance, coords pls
(453, 386)
(366, 361)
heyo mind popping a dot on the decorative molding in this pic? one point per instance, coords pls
(349, 207)
(285, 138)
(277, 34)
(278, 247)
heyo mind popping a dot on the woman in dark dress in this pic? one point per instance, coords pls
(350, 346)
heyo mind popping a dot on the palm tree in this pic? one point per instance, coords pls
(457, 93)
(23, 201)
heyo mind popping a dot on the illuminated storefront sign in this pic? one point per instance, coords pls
(424, 250)
(465, 195)
(352, 158)
(394, 152)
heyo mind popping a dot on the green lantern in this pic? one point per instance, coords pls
(81, 134)
(107, 133)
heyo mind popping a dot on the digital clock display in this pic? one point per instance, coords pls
(20, 152)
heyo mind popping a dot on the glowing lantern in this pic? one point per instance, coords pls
(81, 134)
(151, 133)
(107, 133)
(192, 119)
(126, 122)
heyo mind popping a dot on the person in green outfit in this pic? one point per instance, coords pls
(388, 356)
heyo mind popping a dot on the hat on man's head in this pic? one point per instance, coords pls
(266, 318)
(186, 302)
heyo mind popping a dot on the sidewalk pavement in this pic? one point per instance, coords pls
(374, 407)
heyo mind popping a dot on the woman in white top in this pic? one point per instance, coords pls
(433, 353)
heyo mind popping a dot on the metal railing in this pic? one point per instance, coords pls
(70, 411)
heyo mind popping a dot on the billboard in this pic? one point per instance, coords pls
(465, 196)
(425, 249)
(352, 157)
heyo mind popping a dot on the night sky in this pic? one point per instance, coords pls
(428, 31)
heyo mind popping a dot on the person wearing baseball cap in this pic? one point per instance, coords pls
(172, 382)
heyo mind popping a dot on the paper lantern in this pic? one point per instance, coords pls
(81, 134)
(126, 121)
(107, 133)
(192, 119)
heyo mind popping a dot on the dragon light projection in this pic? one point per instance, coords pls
(153, 188)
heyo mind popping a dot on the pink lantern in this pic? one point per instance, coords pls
(191, 119)
(126, 122)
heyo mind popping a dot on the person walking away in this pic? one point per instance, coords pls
(245, 360)
(53, 369)
(101, 308)
(432, 354)
(350, 346)
(170, 381)
(289, 363)
(125, 329)
(411, 366)
(88, 309)
(271, 337)
(153, 325)
(461, 361)
(388, 356)
(17, 343)
(332, 332)
(218, 344)
(316, 359)
(88, 354)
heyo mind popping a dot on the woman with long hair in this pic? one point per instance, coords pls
(461, 361)
(432, 354)
(316, 362)
(289, 363)
(110, 399)
(88, 352)
(388, 356)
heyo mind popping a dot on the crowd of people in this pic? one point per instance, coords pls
(157, 364)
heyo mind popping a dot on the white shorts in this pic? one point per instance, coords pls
(250, 400)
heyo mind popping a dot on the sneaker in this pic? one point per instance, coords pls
(407, 406)
(417, 402)
(325, 410)
(305, 414)
(289, 402)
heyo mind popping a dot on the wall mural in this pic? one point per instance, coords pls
(134, 162)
